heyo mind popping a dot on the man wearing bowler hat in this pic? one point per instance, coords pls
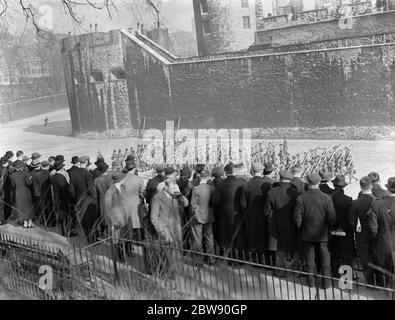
(325, 178)
(74, 164)
(314, 214)
(341, 243)
(382, 227)
(283, 234)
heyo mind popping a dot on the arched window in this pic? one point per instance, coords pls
(117, 73)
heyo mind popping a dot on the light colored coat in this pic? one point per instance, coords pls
(165, 217)
(122, 201)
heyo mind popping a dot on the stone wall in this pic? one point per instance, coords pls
(335, 29)
(338, 87)
(335, 87)
(96, 82)
(32, 107)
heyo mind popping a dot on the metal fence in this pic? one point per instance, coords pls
(158, 270)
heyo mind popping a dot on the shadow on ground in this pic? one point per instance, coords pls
(56, 128)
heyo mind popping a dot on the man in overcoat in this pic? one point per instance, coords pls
(382, 227)
(341, 243)
(359, 220)
(252, 202)
(102, 184)
(203, 215)
(43, 195)
(83, 192)
(279, 208)
(314, 214)
(225, 198)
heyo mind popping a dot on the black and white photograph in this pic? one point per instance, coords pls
(211, 152)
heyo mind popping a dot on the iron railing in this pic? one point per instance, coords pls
(159, 270)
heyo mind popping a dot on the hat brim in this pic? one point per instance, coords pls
(337, 184)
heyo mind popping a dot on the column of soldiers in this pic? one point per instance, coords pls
(282, 212)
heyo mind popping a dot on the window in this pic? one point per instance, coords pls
(117, 74)
(97, 76)
(246, 22)
(204, 6)
(206, 27)
(244, 3)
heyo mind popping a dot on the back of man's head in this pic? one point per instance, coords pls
(374, 176)
(19, 153)
(366, 184)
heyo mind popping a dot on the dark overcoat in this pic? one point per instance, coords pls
(21, 186)
(326, 189)
(252, 202)
(382, 226)
(151, 187)
(61, 195)
(42, 194)
(364, 240)
(225, 198)
(342, 248)
(279, 208)
(83, 192)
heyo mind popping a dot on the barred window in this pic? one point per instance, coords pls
(246, 22)
(206, 27)
(204, 6)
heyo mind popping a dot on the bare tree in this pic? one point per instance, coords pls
(70, 6)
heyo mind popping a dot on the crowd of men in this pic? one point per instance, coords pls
(288, 222)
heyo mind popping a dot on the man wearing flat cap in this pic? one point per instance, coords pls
(314, 214)
(252, 201)
(341, 243)
(283, 234)
(382, 227)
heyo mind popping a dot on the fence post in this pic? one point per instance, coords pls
(114, 260)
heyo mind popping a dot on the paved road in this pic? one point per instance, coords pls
(368, 155)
